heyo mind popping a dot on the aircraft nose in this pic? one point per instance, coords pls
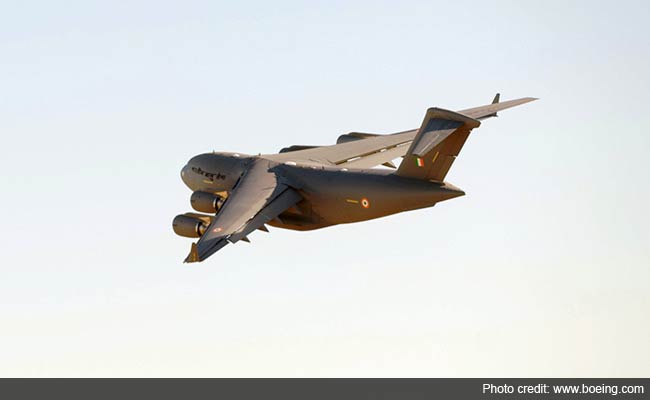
(185, 175)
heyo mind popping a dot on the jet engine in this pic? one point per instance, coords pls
(206, 202)
(191, 225)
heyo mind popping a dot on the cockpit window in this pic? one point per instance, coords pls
(209, 175)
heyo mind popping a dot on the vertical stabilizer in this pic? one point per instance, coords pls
(436, 145)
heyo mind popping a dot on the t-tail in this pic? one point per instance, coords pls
(441, 137)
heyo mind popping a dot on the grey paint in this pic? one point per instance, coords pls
(311, 187)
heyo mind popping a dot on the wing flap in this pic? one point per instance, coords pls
(377, 158)
(277, 206)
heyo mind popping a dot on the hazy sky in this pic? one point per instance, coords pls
(542, 269)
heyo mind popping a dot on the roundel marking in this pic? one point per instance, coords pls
(365, 203)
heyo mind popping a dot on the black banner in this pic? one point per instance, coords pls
(303, 389)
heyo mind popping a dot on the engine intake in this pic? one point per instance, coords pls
(206, 202)
(190, 225)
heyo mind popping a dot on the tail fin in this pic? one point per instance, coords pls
(442, 136)
(436, 145)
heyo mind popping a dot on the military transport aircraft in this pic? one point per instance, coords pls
(311, 187)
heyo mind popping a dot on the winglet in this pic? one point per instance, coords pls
(194, 255)
(494, 101)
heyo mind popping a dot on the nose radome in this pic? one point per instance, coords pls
(202, 160)
(185, 175)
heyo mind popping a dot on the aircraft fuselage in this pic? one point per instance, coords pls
(306, 187)
(331, 195)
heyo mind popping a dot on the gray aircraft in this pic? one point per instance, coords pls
(311, 187)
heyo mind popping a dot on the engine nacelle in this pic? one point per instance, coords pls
(206, 202)
(190, 225)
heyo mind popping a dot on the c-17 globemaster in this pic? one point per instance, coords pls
(311, 187)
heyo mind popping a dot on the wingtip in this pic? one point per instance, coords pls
(524, 100)
(193, 256)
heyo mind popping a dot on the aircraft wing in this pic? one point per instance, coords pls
(363, 153)
(255, 200)
(490, 110)
(372, 150)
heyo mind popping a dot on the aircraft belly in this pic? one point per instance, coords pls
(342, 197)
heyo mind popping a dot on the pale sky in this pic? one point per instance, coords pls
(542, 269)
